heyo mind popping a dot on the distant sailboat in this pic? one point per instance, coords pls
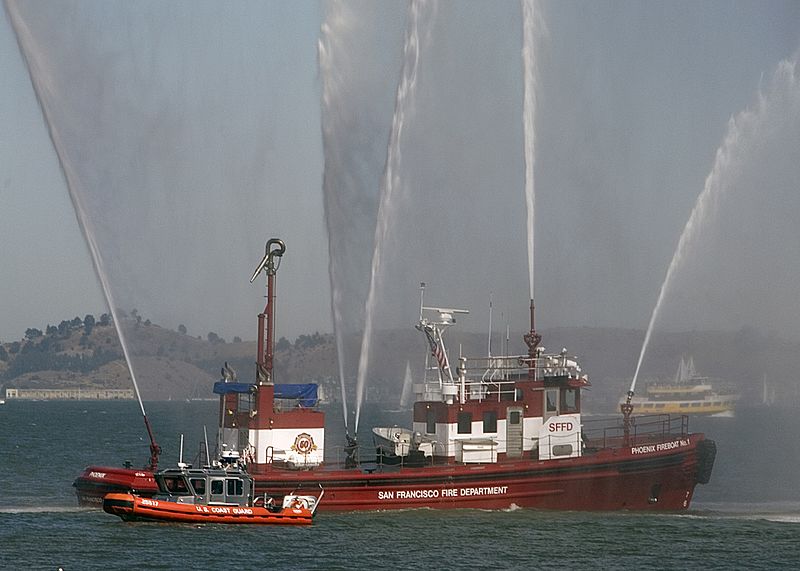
(405, 396)
(767, 393)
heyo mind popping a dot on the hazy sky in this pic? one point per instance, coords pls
(196, 133)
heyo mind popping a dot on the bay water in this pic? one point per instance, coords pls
(748, 516)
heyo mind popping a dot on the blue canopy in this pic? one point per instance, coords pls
(224, 388)
(306, 393)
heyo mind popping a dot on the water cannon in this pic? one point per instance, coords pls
(351, 451)
(267, 263)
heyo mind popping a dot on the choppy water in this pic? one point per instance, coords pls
(747, 517)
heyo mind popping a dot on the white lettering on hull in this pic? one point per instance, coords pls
(650, 448)
(441, 493)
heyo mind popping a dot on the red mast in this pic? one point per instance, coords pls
(275, 249)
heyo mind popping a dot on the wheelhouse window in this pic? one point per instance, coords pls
(551, 402)
(176, 485)
(430, 422)
(199, 486)
(489, 421)
(569, 400)
(235, 487)
(465, 423)
(217, 487)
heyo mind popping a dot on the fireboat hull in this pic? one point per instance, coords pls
(655, 476)
(95, 482)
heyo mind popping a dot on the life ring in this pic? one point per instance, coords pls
(304, 443)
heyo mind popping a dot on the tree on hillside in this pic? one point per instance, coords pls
(64, 328)
(88, 324)
(309, 341)
(76, 322)
(182, 329)
(3, 354)
(282, 344)
(213, 338)
(51, 330)
(32, 333)
(105, 320)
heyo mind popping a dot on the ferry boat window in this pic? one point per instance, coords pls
(235, 487)
(465, 423)
(199, 485)
(489, 421)
(217, 487)
(569, 400)
(430, 422)
(514, 416)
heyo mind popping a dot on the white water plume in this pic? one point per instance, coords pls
(185, 150)
(45, 92)
(329, 88)
(355, 71)
(417, 12)
(775, 115)
(531, 31)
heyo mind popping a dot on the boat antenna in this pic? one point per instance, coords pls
(421, 298)
(205, 435)
(489, 351)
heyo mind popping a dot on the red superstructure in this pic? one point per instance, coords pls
(490, 432)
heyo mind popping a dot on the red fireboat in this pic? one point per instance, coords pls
(491, 433)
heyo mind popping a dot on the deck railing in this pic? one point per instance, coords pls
(646, 429)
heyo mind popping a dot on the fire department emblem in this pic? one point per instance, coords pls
(304, 443)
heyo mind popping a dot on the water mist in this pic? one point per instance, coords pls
(391, 180)
(747, 131)
(44, 90)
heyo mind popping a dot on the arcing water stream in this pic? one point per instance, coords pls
(746, 132)
(357, 61)
(391, 179)
(324, 50)
(44, 94)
